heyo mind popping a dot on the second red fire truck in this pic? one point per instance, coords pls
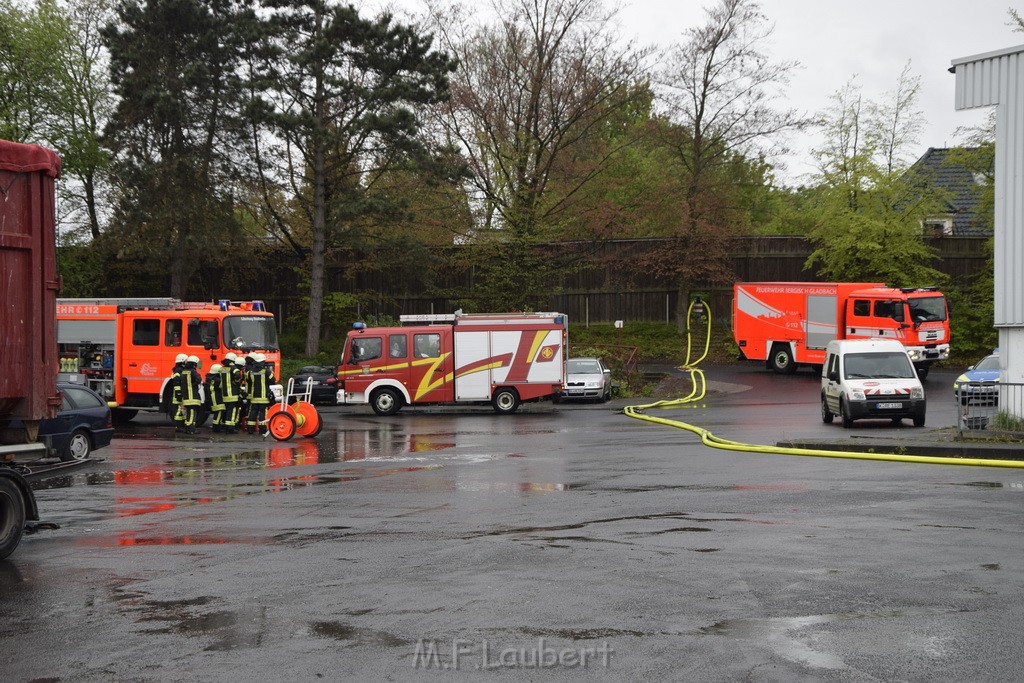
(788, 323)
(501, 359)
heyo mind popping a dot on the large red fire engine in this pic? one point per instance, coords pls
(787, 323)
(502, 359)
(126, 347)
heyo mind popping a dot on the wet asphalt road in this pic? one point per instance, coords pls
(522, 546)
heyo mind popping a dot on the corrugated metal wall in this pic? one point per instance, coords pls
(990, 79)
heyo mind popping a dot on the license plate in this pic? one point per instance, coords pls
(888, 406)
(574, 391)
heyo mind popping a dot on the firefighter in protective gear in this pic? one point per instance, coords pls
(191, 395)
(230, 390)
(175, 382)
(258, 387)
(243, 394)
(214, 396)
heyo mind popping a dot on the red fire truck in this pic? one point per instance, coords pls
(788, 323)
(126, 347)
(500, 358)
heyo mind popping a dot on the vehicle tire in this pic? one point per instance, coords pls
(782, 359)
(385, 402)
(922, 373)
(122, 416)
(826, 414)
(167, 407)
(919, 420)
(12, 516)
(844, 411)
(505, 401)
(78, 447)
(607, 396)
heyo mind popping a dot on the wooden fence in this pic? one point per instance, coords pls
(607, 283)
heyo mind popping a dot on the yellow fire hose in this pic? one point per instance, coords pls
(699, 389)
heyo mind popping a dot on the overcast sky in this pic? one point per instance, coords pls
(835, 40)
(872, 39)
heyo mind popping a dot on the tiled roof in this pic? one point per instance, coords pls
(962, 190)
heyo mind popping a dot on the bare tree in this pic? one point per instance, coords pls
(897, 122)
(531, 88)
(721, 92)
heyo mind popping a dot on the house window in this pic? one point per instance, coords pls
(938, 227)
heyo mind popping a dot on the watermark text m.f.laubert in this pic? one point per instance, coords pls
(482, 655)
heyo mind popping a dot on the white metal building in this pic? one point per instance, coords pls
(997, 79)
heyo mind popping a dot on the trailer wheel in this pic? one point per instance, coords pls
(77, 448)
(505, 401)
(12, 516)
(385, 402)
(281, 425)
(782, 359)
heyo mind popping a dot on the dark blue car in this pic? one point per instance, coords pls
(82, 425)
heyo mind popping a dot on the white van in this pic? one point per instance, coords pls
(870, 378)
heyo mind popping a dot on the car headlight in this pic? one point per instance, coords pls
(857, 395)
(917, 393)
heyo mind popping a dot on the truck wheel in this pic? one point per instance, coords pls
(385, 402)
(12, 516)
(826, 414)
(505, 401)
(122, 416)
(77, 448)
(922, 373)
(782, 359)
(919, 420)
(844, 409)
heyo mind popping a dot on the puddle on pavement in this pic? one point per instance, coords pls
(358, 636)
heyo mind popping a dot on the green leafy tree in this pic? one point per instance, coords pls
(56, 92)
(341, 94)
(30, 38)
(83, 101)
(870, 211)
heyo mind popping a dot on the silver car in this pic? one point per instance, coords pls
(587, 378)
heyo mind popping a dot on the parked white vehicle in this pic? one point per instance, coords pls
(870, 379)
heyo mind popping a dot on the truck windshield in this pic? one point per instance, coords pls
(250, 333)
(927, 309)
(878, 365)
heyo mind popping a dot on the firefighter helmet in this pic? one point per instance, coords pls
(192, 359)
(215, 367)
(240, 362)
(259, 357)
(180, 358)
(230, 356)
